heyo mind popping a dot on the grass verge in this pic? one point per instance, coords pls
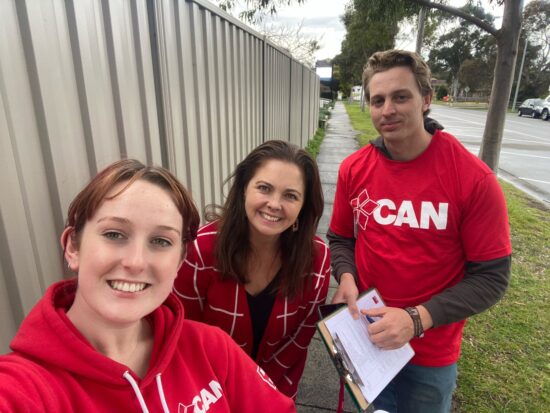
(505, 363)
(315, 143)
(361, 123)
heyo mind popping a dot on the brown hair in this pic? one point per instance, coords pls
(297, 249)
(388, 59)
(87, 202)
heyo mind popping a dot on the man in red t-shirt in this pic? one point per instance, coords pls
(424, 221)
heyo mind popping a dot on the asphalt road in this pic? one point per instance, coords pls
(525, 152)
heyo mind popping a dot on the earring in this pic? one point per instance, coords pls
(295, 226)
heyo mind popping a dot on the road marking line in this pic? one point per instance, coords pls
(460, 126)
(462, 136)
(534, 180)
(475, 149)
(462, 121)
(523, 140)
(457, 132)
(527, 156)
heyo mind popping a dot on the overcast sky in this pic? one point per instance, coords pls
(321, 18)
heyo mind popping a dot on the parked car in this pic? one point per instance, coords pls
(545, 112)
(531, 107)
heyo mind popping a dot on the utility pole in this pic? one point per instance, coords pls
(420, 33)
(519, 75)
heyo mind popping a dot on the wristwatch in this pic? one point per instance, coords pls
(417, 323)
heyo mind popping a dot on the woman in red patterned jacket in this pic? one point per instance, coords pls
(257, 270)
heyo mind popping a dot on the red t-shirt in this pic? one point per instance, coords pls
(416, 224)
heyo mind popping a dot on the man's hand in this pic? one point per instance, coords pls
(394, 328)
(347, 292)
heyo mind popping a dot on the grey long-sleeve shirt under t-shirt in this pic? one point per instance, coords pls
(484, 282)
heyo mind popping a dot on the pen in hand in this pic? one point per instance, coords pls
(370, 319)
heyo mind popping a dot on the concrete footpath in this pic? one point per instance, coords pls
(318, 391)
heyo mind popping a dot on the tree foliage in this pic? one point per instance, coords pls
(462, 50)
(371, 25)
(474, 76)
(536, 28)
(535, 35)
(254, 10)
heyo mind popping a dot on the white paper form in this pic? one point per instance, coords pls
(374, 366)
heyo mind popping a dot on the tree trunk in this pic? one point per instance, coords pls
(507, 50)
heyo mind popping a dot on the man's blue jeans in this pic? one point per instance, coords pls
(419, 389)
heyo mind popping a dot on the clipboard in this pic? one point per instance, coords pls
(348, 364)
(336, 357)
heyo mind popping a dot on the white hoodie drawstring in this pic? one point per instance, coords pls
(161, 394)
(139, 396)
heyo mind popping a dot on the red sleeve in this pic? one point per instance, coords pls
(192, 281)
(341, 222)
(23, 389)
(485, 227)
(248, 388)
(287, 364)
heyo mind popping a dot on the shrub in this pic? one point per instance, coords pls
(441, 91)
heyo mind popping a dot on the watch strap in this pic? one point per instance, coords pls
(417, 322)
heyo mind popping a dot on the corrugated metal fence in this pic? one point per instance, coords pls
(85, 82)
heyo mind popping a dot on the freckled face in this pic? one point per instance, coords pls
(273, 198)
(127, 256)
(397, 106)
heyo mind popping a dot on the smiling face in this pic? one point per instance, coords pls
(397, 106)
(127, 255)
(273, 199)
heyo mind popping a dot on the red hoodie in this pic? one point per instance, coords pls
(194, 368)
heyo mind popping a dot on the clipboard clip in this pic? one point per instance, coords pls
(344, 363)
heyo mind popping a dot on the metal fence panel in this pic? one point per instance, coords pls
(7, 305)
(305, 102)
(83, 83)
(313, 116)
(60, 123)
(295, 107)
(34, 104)
(277, 93)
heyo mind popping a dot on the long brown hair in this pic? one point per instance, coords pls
(297, 249)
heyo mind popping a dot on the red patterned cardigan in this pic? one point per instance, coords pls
(283, 350)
